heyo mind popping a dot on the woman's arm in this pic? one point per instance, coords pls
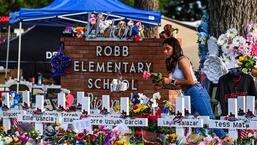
(184, 66)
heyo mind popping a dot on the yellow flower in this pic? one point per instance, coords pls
(137, 110)
(172, 136)
(122, 142)
(58, 124)
(228, 139)
(2, 128)
(15, 139)
(116, 108)
(241, 58)
(239, 63)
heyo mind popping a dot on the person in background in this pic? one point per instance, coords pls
(181, 74)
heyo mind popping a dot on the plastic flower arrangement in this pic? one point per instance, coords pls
(168, 108)
(238, 51)
(138, 107)
(155, 77)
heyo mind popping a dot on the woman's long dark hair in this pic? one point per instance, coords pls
(171, 62)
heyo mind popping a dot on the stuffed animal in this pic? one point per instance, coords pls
(130, 27)
(140, 29)
(154, 99)
(121, 29)
(113, 29)
(68, 31)
(92, 29)
(107, 28)
(79, 32)
(135, 32)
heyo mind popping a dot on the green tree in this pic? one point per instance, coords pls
(186, 10)
(7, 6)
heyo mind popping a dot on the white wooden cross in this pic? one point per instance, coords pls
(80, 95)
(85, 101)
(234, 104)
(124, 105)
(61, 100)
(26, 98)
(6, 103)
(39, 105)
(182, 103)
(232, 109)
(106, 102)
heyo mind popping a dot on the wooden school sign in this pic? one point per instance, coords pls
(96, 63)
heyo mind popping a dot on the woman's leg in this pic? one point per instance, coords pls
(200, 102)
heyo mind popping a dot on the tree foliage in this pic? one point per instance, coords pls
(8, 6)
(186, 10)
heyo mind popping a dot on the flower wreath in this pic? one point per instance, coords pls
(60, 63)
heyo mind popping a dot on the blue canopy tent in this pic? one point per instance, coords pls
(61, 10)
(77, 12)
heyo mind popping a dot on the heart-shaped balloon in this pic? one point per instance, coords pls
(69, 100)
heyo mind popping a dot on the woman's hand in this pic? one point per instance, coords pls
(167, 80)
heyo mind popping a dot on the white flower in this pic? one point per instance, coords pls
(231, 63)
(222, 39)
(244, 49)
(238, 40)
(214, 68)
(225, 48)
(231, 33)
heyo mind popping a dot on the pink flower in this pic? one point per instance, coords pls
(217, 141)
(172, 143)
(146, 75)
(249, 37)
(253, 47)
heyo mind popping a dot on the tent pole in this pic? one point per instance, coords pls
(7, 52)
(88, 24)
(97, 23)
(19, 57)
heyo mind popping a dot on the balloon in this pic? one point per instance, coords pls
(69, 100)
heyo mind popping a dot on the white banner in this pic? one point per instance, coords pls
(45, 117)
(183, 123)
(225, 124)
(117, 121)
(68, 117)
(11, 113)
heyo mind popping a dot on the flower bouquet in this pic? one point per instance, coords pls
(246, 62)
(138, 108)
(239, 51)
(155, 77)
